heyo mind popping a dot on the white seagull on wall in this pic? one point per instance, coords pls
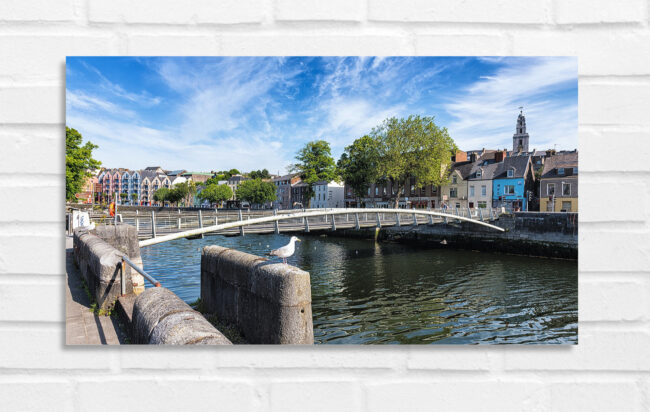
(285, 251)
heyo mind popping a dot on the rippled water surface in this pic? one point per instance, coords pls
(367, 293)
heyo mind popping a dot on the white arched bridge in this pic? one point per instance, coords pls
(157, 227)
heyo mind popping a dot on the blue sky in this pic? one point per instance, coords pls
(218, 113)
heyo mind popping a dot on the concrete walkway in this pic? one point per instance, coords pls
(83, 327)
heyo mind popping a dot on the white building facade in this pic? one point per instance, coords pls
(328, 195)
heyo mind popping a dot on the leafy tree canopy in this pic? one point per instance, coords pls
(161, 195)
(358, 165)
(415, 147)
(256, 191)
(260, 174)
(315, 163)
(78, 162)
(216, 193)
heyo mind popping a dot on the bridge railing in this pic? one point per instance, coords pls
(152, 224)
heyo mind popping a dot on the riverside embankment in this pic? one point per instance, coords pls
(552, 235)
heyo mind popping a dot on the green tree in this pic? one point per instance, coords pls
(123, 196)
(315, 163)
(233, 172)
(260, 174)
(216, 193)
(413, 147)
(256, 191)
(358, 165)
(78, 162)
(134, 198)
(161, 195)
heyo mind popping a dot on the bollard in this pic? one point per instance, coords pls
(241, 228)
(200, 221)
(277, 223)
(153, 224)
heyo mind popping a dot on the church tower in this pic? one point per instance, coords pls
(520, 138)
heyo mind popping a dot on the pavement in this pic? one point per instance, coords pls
(82, 326)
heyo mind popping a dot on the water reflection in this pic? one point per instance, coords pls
(364, 292)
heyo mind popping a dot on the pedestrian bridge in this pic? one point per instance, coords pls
(154, 229)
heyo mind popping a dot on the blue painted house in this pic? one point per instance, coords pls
(513, 181)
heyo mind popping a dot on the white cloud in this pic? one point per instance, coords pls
(485, 112)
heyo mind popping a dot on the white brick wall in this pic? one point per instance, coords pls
(608, 370)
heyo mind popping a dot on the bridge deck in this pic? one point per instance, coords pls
(171, 222)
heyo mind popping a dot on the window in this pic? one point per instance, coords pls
(412, 189)
(482, 205)
(384, 190)
(549, 207)
(471, 191)
(453, 192)
(454, 179)
(550, 189)
(478, 173)
(511, 173)
(483, 190)
(457, 205)
(566, 189)
(575, 170)
(368, 191)
(560, 170)
(509, 189)
(566, 206)
(376, 191)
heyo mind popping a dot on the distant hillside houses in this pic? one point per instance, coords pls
(515, 180)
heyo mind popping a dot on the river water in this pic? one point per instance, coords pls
(386, 293)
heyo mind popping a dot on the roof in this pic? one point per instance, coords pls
(285, 177)
(487, 171)
(175, 172)
(567, 160)
(197, 173)
(300, 184)
(464, 168)
(518, 163)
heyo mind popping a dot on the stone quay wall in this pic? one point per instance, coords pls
(100, 265)
(268, 303)
(527, 233)
(160, 317)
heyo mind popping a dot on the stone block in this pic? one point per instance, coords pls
(161, 317)
(269, 303)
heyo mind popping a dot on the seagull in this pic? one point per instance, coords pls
(285, 251)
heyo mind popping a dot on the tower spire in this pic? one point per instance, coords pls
(520, 138)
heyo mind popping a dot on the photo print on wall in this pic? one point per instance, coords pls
(321, 200)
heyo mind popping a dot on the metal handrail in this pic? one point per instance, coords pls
(140, 271)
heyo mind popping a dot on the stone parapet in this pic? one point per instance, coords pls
(160, 317)
(268, 303)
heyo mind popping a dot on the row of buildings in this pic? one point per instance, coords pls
(516, 179)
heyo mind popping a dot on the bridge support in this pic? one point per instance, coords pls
(430, 219)
(241, 228)
(153, 224)
(137, 221)
(469, 212)
(356, 219)
(378, 220)
(457, 214)
(480, 214)
(415, 220)
(277, 223)
(306, 224)
(179, 220)
(216, 219)
(397, 221)
(333, 222)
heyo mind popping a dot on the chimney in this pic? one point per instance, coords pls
(460, 156)
(473, 157)
(499, 155)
